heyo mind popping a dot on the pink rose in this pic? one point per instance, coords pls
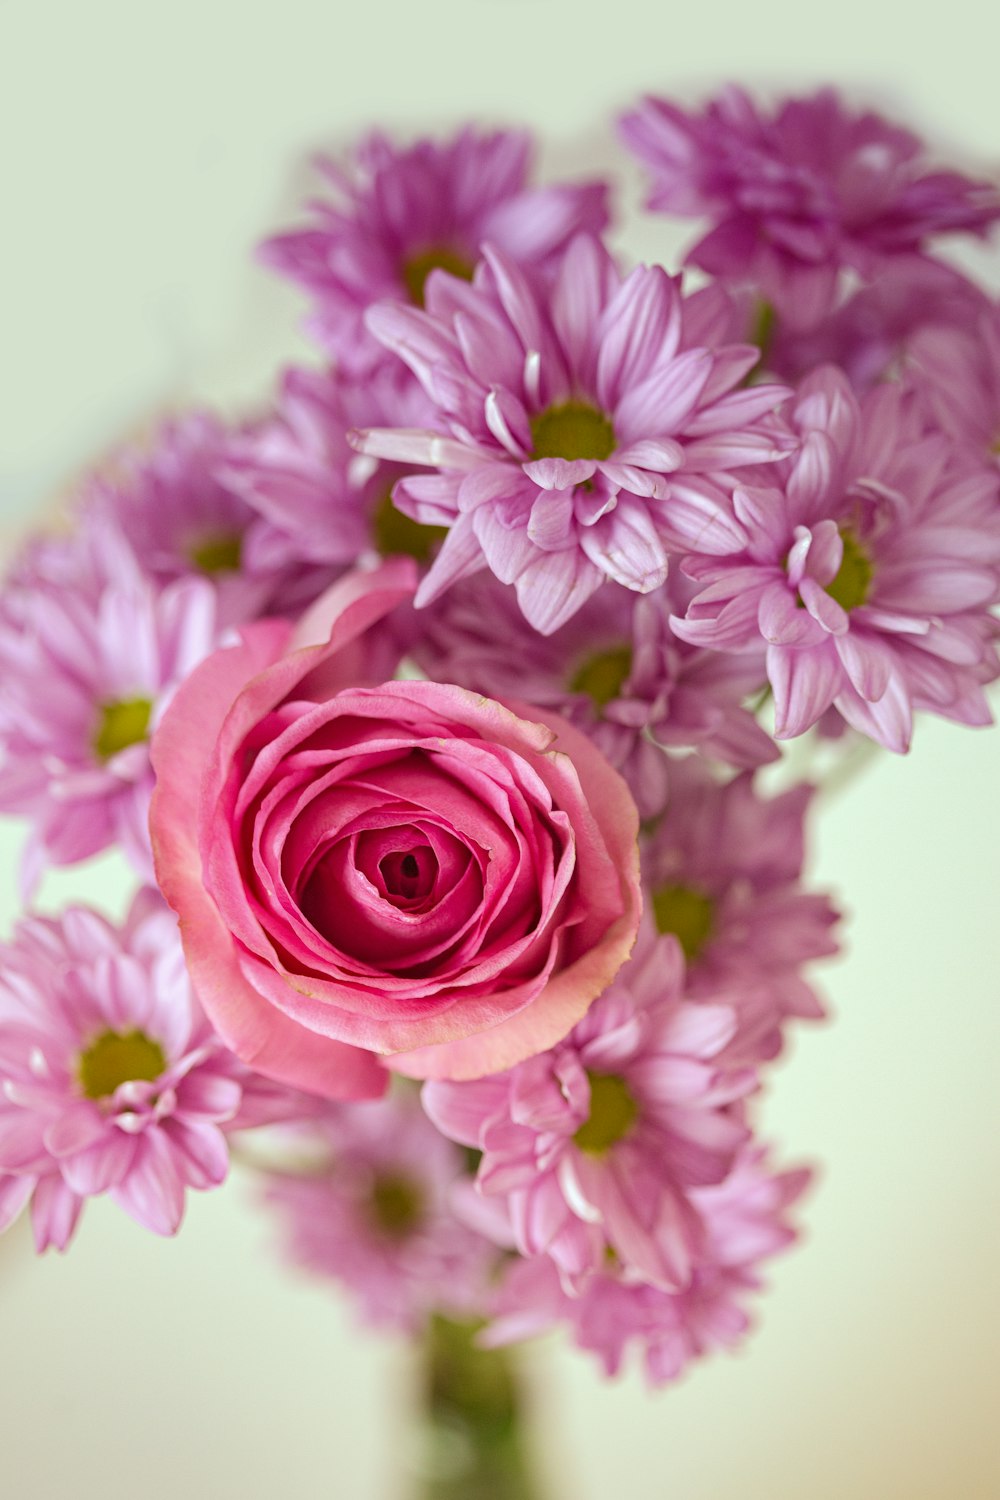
(364, 866)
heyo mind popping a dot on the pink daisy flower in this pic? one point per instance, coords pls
(798, 194)
(373, 1210)
(616, 671)
(596, 1145)
(84, 677)
(325, 505)
(746, 1223)
(723, 868)
(956, 369)
(870, 575)
(582, 426)
(400, 212)
(111, 1080)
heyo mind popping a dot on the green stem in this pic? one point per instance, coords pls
(472, 1408)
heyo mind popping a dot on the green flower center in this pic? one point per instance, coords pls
(118, 1057)
(850, 585)
(218, 553)
(603, 675)
(613, 1112)
(573, 430)
(397, 535)
(686, 913)
(396, 1204)
(417, 268)
(123, 722)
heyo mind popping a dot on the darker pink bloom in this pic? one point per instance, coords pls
(401, 867)
(397, 213)
(801, 193)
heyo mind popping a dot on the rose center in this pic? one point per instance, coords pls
(409, 873)
(221, 552)
(688, 914)
(398, 535)
(123, 722)
(613, 1112)
(602, 676)
(396, 1205)
(416, 269)
(118, 1057)
(573, 429)
(852, 580)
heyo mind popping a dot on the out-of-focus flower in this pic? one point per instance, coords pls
(583, 426)
(596, 1145)
(799, 194)
(398, 213)
(111, 1080)
(614, 1312)
(956, 369)
(373, 1210)
(870, 574)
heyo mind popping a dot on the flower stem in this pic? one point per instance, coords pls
(471, 1408)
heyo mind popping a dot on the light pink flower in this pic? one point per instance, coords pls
(585, 426)
(799, 193)
(84, 676)
(615, 671)
(372, 1209)
(870, 574)
(390, 865)
(597, 1144)
(614, 1312)
(400, 212)
(723, 870)
(111, 1080)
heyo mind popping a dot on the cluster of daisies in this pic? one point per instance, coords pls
(695, 514)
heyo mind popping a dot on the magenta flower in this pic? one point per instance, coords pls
(870, 574)
(615, 671)
(956, 369)
(799, 194)
(84, 676)
(723, 868)
(596, 1145)
(584, 426)
(399, 213)
(374, 1211)
(111, 1080)
(746, 1223)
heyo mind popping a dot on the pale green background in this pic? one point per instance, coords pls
(144, 148)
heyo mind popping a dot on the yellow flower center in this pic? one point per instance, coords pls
(603, 675)
(398, 535)
(123, 722)
(417, 268)
(850, 585)
(687, 913)
(572, 430)
(218, 553)
(613, 1112)
(118, 1057)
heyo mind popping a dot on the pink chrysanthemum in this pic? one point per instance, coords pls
(111, 1080)
(801, 193)
(870, 574)
(616, 671)
(957, 372)
(723, 868)
(84, 676)
(325, 505)
(746, 1223)
(399, 213)
(373, 1210)
(584, 426)
(596, 1145)
(169, 504)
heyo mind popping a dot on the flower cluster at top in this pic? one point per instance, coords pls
(436, 706)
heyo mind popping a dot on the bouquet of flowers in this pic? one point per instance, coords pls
(439, 707)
